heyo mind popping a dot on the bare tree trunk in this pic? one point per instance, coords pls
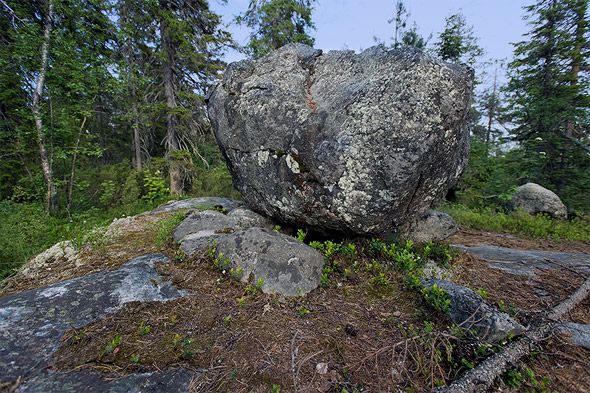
(491, 112)
(481, 378)
(51, 197)
(130, 64)
(171, 138)
(73, 171)
(136, 137)
(577, 56)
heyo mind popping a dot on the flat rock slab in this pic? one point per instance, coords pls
(175, 380)
(202, 203)
(526, 262)
(284, 265)
(33, 322)
(577, 333)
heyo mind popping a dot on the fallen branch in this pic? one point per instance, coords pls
(482, 377)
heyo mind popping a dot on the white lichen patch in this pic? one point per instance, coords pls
(263, 157)
(292, 164)
(53, 292)
(63, 252)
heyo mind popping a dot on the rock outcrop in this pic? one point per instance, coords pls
(471, 313)
(533, 199)
(358, 143)
(198, 231)
(275, 262)
(33, 322)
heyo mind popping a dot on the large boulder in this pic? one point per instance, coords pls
(342, 141)
(533, 199)
(275, 262)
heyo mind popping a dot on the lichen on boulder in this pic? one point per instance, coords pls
(359, 143)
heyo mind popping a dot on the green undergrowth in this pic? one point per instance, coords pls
(26, 229)
(380, 259)
(521, 223)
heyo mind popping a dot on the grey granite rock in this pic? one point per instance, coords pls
(534, 199)
(431, 226)
(33, 322)
(527, 262)
(577, 333)
(341, 141)
(471, 313)
(202, 203)
(198, 231)
(286, 266)
(171, 380)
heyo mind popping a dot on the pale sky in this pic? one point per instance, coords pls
(352, 24)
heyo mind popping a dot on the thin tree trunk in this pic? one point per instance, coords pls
(73, 171)
(130, 64)
(481, 378)
(491, 112)
(172, 142)
(51, 197)
(136, 137)
(577, 56)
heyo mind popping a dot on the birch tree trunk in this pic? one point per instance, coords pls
(51, 196)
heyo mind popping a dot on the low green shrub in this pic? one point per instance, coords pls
(520, 223)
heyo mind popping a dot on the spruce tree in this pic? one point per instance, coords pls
(276, 23)
(548, 96)
(457, 42)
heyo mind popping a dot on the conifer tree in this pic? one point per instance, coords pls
(457, 42)
(549, 98)
(276, 23)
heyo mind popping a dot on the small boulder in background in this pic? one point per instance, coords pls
(533, 199)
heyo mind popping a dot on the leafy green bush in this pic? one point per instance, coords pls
(214, 181)
(155, 186)
(520, 223)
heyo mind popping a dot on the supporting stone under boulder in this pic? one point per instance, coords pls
(429, 227)
(359, 143)
(198, 231)
(277, 263)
